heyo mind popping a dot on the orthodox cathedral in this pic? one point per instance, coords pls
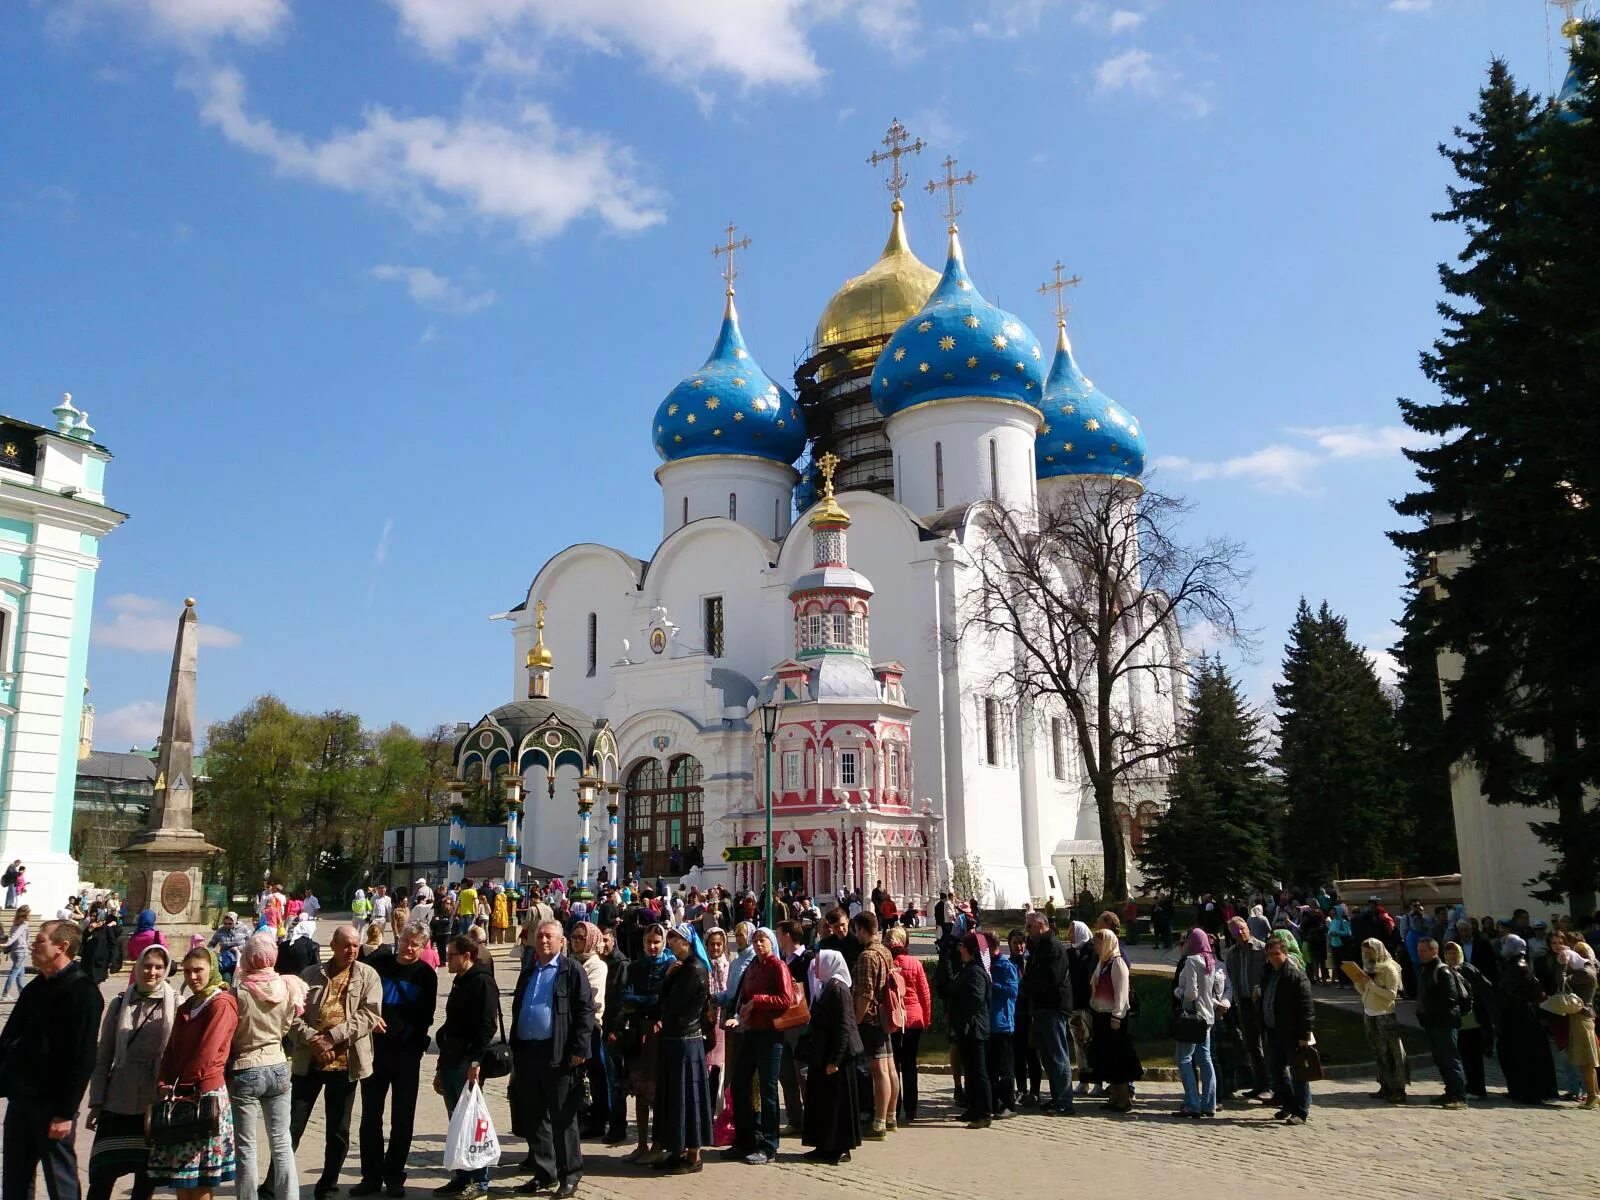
(791, 634)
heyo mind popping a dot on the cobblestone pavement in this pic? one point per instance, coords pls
(1352, 1147)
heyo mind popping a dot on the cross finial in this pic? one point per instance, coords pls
(1569, 23)
(1059, 287)
(895, 139)
(949, 183)
(829, 463)
(729, 271)
(539, 609)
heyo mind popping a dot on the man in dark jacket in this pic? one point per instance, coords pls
(1246, 961)
(1440, 993)
(1288, 1014)
(410, 990)
(47, 1053)
(1047, 989)
(470, 1014)
(551, 1033)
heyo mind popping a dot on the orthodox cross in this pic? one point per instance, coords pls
(829, 463)
(949, 183)
(895, 139)
(1569, 14)
(729, 271)
(1059, 287)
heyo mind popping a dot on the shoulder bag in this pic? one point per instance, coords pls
(182, 1115)
(496, 1060)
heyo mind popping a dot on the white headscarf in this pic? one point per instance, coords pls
(1079, 934)
(828, 964)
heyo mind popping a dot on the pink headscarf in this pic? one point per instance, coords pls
(1200, 943)
(258, 962)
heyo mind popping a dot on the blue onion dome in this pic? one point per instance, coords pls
(1085, 432)
(729, 406)
(958, 345)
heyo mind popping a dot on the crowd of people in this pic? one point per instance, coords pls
(673, 1020)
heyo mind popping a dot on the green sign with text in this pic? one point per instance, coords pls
(742, 854)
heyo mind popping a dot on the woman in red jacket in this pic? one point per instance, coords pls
(765, 989)
(192, 1065)
(919, 1015)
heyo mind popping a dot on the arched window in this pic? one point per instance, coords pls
(1144, 820)
(663, 831)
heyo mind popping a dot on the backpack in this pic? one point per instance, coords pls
(892, 1001)
(1462, 991)
(9, 879)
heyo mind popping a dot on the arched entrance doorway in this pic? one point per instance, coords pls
(663, 831)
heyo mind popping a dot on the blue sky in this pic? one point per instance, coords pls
(373, 301)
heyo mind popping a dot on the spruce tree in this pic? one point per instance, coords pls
(1216, 834)
(1336, 757)
(1509, 499)
(1428, 835)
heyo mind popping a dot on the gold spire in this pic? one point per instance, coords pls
(895, 139)
(951, 181)
(539, 657)
(1570, 24)
(829, 511)
(1059, 287)
(729, 271)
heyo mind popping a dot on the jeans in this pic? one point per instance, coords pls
(760, 1053)
(1199, 1078)
(14, 977)
(1442, 1041)
(454, 1081)
(28, 1146)
(1050, 1039)
(341, 1092)
(264, 1090)
(396, 1070)
(1291, 1094)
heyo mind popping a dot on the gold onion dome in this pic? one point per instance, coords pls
(876, 302)
(540, 655)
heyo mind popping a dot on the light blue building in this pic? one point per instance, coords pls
(52, 516)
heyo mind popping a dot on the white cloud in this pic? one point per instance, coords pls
(189, 23)
(1410, 5)
(1362, 441)
(1138, 73)
(146, 625)
(133, 725)
(533, 173)
(1123, 21)
(1385, 665)
(430, 290)
(935, 127)
(380, 554)
(1013, 18)
(1281, 467)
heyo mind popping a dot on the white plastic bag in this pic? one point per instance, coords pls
(471, 1144)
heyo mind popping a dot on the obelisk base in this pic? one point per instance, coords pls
(166, 872)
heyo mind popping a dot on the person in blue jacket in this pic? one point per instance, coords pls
(1006, 980)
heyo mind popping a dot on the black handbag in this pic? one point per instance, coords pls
(1186, 1027)
(496, 1060)
(178, 1118)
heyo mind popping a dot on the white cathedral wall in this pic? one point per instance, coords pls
(755, 492)
(950, 452)
(580, 580)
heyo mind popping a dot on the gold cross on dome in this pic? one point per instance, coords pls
(949, 183)
(729, 271)
(829, 463)
(1569, 23)
(1059, 287)
(895, 139)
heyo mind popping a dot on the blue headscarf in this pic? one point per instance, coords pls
(146, 921)
(691, 935)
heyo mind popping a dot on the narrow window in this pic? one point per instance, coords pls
(991, 731)
(733, 506)
(685, 520)
(594, 642)
(938, 474)
(841, 629)
(777, 527)
(994, 470)
(894, 768)
(814, 629)
(1058, 747)
(848, 774)
(713, 626)
(792, 779)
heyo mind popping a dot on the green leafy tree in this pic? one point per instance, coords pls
(1216, 834)
(1507, 506)
(256, 763)
(1337, 756)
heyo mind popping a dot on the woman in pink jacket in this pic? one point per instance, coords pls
(919, 1015)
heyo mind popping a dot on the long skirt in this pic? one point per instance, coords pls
(683, 1095)
(642, 1063)
(120, 1146)
(198, 1162)
(1525, 1058)
(833, 1115)
(1112, 1056)
(1389, 1051)
(1581, 1047)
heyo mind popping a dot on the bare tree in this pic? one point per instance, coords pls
(1076, 602)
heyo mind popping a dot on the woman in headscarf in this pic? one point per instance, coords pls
(970, 998)
(300, 949)
(193, 1064)
(145, 934)
(133, 1035)
(1260, 927)
(832, 1114)
(101, 933)
(716, 944)
(1581, 1048)
(1080, 1024)
(1291, 945)
(683, 1098)
(1524, 1050)
(258, 1077)
(584, 943)
(1201, 992)
(1379, 988)
(766, 989)
(1111, 1051)
(641, 1010)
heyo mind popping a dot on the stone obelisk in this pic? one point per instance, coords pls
(166, 862)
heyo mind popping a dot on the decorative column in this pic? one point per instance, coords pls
(587, 784)
(513, 875)
(456, 853)
(613, 861)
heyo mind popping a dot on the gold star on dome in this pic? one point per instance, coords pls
(738, 416)
(994, 375)
(716, 433)
(1036, 354)
(972, 360)
(713, 403)
(737, 353)
(780, 422)
(1092, 425)
(1044, 429)
(1014, 329)
(949, 374)
(690, 418)
(924, 326)
(672, 410)
(1022, 366)
(1049, 458)
(971, 320)
(661, 428)
(1069, 409)
(677, 437)
(1067, 446)
(1029, 385)
(737, 382)
(963, 285)
(947, 342)
(1116, 449)
(999, 341)
(899, 353)
(923, 367)
(697, 383)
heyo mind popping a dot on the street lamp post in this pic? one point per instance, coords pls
(769, 730)
(588, 784)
